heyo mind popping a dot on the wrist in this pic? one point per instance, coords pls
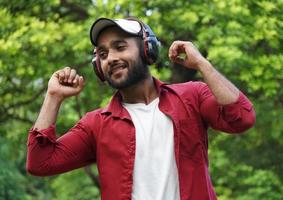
(205, 67)
(53, 99)
(48, 112)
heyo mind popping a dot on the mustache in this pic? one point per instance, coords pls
(116, 65)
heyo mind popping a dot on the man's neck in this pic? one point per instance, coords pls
(142, 92)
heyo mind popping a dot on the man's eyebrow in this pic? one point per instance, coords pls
(115, 42)
(112, 43)
(100, 47)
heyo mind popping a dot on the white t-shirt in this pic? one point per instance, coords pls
(155, 172)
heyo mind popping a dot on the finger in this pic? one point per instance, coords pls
(172, 50)
(176, 48)
(76, 81)
(67, 71)
(72, 75)
(56, 74)
(80, 85)
(61, 76)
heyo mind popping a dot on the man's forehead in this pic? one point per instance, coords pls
(112, 34)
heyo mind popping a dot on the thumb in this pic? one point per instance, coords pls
(81, 82)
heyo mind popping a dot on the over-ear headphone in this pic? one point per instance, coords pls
(97, 67)
(150, 49)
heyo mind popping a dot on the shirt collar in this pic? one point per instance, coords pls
(115, 106)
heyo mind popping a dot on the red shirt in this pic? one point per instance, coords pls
(107, 137)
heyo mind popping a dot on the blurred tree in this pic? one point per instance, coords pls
(243, 39)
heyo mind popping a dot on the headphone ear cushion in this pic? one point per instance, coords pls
(97, 67)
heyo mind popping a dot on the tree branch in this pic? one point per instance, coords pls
(74, 9)
(80, 65)
(78, 107)
(92, 176)
(16, 117)
(21, 103)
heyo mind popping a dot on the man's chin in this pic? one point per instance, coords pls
(118, 83)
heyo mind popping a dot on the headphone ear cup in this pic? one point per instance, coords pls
(97, 67)
(151, 45)
(152, 50)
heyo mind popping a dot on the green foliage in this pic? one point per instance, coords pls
(74, 185)
(237, 174)
(9, 175)
(243, 39)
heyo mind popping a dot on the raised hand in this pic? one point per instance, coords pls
(186, 54)
(65, 83)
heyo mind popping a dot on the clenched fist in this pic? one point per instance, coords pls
(65, 83)
(186, 54)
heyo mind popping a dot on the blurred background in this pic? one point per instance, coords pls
(243, 40)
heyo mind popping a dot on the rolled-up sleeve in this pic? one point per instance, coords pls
(42, 136)
(232, 118)
(48, 155)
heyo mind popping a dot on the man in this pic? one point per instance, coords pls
(150, 142)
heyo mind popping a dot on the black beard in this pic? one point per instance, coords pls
(136, 73)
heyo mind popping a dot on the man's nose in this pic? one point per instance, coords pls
(112, 57)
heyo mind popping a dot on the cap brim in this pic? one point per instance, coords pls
(129, 26)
